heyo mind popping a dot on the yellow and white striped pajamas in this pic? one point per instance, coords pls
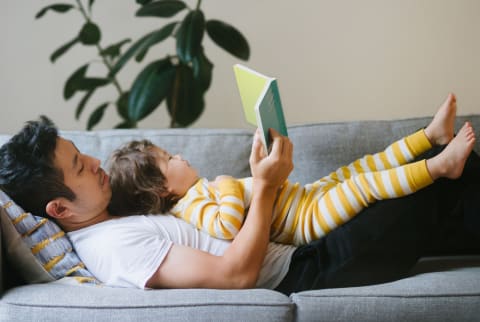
(305, 213)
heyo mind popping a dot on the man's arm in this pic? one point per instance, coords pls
(240, 265)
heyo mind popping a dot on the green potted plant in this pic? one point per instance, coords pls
(181, 79)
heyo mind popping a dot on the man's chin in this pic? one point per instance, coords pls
(108, 195)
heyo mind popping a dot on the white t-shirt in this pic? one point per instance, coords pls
(127, 251)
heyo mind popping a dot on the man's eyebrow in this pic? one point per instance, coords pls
(74, 145)
(75, 158)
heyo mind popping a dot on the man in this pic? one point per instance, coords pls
(47, 175)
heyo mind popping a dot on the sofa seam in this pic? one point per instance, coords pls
(290, 305)
(387, 296)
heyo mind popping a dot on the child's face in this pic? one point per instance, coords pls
(178, 172)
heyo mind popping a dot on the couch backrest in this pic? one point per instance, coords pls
(322, 148)
(212, 151)
(318, 148)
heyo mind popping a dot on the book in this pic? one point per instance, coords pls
(261, 102)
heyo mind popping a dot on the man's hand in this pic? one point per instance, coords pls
(271, 171)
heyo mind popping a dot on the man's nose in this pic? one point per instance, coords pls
(94, 164)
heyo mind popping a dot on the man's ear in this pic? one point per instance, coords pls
(57, 209)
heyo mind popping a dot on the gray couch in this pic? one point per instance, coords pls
(439, 289)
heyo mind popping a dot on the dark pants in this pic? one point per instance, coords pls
(384, 241)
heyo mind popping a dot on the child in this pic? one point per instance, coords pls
(146, 179)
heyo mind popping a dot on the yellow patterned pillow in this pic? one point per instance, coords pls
(37, 247)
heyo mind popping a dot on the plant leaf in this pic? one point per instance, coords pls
(228, 38)
(113, 50)
(78, 82)
(142, 45)
(142, 2)
(185, 101)
(62, 50)
(162, 8)
(89, 83)
(122, 105)
(141, 55)
(96, 116)
(189, 35)
(83, 103)
(150, 88)
(90, 34)
(71, 84)
(59, 7)
(166, 31)
(202, 70)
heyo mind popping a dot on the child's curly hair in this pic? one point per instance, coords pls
(138, 186)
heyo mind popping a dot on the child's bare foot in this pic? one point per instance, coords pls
(451, 161)
(440, 131)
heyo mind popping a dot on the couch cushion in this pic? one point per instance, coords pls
(37, 247)
(451, 295)
(49, 302)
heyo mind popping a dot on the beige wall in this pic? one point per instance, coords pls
(335, 60)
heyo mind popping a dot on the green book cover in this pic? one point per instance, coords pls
(261, 101)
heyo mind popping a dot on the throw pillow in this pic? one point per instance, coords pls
(37, 247)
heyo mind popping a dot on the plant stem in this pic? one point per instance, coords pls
(82, 10)
(100, 49)
(109, 67)
(198, 4)
(176, 86)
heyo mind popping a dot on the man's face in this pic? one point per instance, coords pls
(84, 176)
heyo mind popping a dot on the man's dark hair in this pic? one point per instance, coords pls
(27, 170)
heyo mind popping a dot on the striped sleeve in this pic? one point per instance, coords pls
(218, 212)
